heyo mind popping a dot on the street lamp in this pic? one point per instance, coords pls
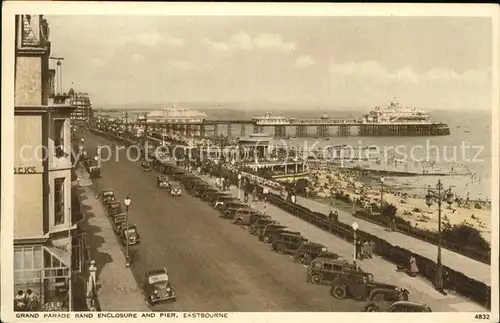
(382, 179)
(239, 186)
(439, 194)
(355, 227)
(127, 204)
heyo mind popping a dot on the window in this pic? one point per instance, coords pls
(59, 138)
(59, 201)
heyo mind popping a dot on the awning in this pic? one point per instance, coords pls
(60, 254)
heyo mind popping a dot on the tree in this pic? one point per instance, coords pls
(465, 235)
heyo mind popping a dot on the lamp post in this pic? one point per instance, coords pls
(239, 186)
(439, 194)
(127, 204)
(382, 179)
(355, 229)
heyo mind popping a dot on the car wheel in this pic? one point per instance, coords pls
(339, 291)
(372, 308)
(316, 279)
(267, 239)
(239, 222)
(280, 250)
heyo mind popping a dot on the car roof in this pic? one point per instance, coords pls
(157, 271)
(107, 190)
(327, 259)
(314, 244)
(409, 304)
(291, 234)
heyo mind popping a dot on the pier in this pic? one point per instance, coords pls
(325, 127)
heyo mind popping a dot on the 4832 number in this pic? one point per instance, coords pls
(482, 316)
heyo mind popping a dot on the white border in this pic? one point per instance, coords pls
(224, 9)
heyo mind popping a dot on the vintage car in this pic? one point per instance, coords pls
(114, 208)
(175, 189)
(361, 286)
(230, 212)
(309, 251)
(146, 166)
(157, 286)
(234, 205)
(396, 306)
(248, 217)
(324, 270)
(208, 193)
(255, 227)
(270, 230)
(163, 181)
(107, 196)
(287, 243)
(95, 171)
(222, 200)
(118, 220)
(130, 235)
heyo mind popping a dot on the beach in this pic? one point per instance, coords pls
(413, 208)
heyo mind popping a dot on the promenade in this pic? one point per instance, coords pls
(468, 266)
(420, 289)
(117, 289)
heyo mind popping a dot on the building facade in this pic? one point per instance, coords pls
(82, 113)
(46, 239)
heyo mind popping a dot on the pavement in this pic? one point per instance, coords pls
(213, 264)
(420, 289)
(468, 266)
(117, 289)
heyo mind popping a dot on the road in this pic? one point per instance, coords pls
(213, 264)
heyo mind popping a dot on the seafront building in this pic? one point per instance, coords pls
(82, 112)
(46, 243)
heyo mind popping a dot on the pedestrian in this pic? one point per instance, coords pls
(413, 268)
(245, 196)
(293, 198)
(254, 194)
(366, 250)
(266, 191)
(357, 248)
(372, 248)
(20, 300)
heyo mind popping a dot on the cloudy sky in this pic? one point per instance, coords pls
(435, 63)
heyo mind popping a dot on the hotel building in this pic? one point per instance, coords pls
(47, 242)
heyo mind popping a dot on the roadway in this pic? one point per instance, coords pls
(213, 264)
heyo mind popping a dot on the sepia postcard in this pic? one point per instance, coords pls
(249, 162)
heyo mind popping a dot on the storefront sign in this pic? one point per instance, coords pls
(25, 170)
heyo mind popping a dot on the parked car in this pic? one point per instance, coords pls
(255, 227)
(95, 172)
(230, 212)
(130, 235)
(361, 286)
(208, 193)
(146, 166)
(107, 196)
(309, 251)
(269, 231)
(287, 243)
(114, 208)
(157, 286)
(248, 217)
(398, 306)
(163, 182)
(175, 189)
(219, 202)
(236, 204)
(118, 221)
(323, 270)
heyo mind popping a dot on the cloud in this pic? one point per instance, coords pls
(150, 39)
(175, 42)
(183, 66)
(137, 57)
(244, 41)
(374, 71)
(304, 61)
(98, 61)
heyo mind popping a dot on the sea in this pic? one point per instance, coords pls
(467, 152)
